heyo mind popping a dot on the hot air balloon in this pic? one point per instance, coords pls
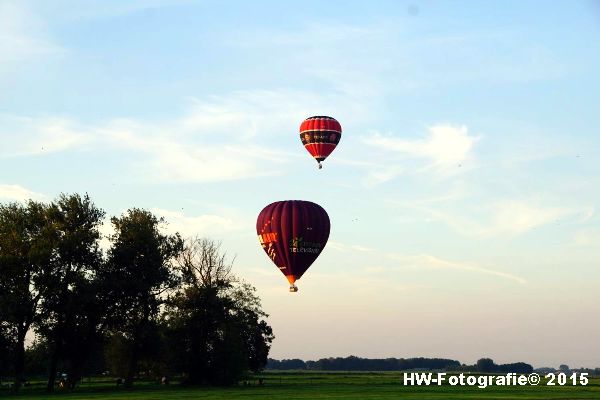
(320, 135)
(293, 233)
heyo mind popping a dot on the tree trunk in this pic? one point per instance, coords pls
(53, 367)
(138, 338)
(133, 362)
(20, 359)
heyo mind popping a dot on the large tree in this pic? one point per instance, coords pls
(140, 263)
(215, 322)
(71, 312)
(25, 250)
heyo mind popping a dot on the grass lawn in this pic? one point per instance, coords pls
(315, 385)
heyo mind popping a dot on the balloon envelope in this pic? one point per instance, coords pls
(320, 135)
(293, 233)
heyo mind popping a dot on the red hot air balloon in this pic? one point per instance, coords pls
(320, 135)
(293, 233)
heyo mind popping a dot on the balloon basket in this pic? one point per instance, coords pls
(293, 289)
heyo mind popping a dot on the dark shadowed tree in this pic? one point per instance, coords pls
(215, 322)
(116, 354)
(70, 308)
(37, 358)
(5, 361)
(256, 334)
(519, 368)
(83, 337)
(485, 365)
(354, 363)
(25, 251)
(140, 266)
(285, 364)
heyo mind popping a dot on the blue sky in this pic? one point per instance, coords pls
(463, 196)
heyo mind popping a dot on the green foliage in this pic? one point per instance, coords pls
(5, 359)
(117, 354)
(140, 268)
(36, 358)
(25, 253)
(485, 365)
(87, 307)
(215, 322)
(71, 313)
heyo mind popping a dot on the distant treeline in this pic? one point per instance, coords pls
(354, 363)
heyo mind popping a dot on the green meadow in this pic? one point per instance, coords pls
(312, 385)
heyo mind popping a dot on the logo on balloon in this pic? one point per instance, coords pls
(298, 245)
(266, 238)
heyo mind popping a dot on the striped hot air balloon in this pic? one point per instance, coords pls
(293, 233)
(320, 135)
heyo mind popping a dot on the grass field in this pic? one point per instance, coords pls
(316, 385)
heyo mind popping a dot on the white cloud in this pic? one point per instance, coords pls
(202, 225)
(29, 136)
(586, 237)
(381, 174)
(346, 247)
(206, 225)
(172, 160)
(428, 261)
(19, 193)
(98, 9)
(445, 146)
(587, 214)
(22, 35)
(502, 217)
(516, 217)
(217, 139)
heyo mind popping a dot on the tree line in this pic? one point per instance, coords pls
(353, 363)
(148, 302)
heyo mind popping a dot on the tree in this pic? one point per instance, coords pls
(116, 354)
(24, 253)
(485, 365)
(5, 360)
(294, 363)
(36, 358)
(71, 311)
(215, 322)
(140, 266)
(255, 333)
(518, 367)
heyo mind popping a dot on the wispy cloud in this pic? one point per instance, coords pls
(445, 146)
(516, 217)
(22, 35)
(429, 261)
(108, 8)
(184, 160)
(586, 238)
(23, 136)
(206, 225)
(501, 217)
(378, 174)
(19, 193)
(345, 247)
(217, 139)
